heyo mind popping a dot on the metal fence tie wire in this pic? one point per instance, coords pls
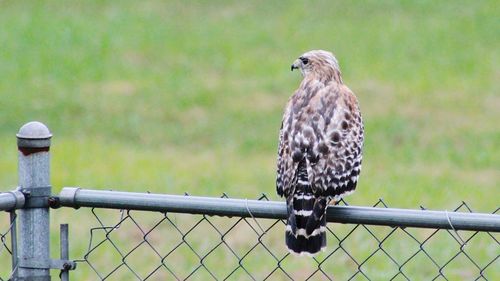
(453, 228)
(255, 220)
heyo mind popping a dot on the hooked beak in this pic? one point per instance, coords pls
(296, 64)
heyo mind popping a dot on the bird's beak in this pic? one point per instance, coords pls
(296, 64)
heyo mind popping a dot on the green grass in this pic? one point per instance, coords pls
(175, 97)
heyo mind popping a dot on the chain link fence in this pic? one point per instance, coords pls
(7, 248)
(139, 245)
(142, 236)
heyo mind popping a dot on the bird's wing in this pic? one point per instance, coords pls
(285, 166)
(337, 142)
(293, 143)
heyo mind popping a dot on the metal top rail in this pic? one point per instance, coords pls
(77, 197)
(11, 200)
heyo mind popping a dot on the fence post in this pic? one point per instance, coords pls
(33, 142)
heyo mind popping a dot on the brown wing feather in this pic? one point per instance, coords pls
(285, 165)
(339, 144)
(292, 141)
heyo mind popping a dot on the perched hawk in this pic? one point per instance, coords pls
(320, 150)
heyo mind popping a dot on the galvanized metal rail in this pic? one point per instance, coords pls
(77, 197)
(11, 200)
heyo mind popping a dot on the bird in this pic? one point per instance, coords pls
(320, 150)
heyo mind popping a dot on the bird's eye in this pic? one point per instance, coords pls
(304, 60)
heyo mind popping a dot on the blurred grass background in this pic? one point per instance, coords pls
(174, 97)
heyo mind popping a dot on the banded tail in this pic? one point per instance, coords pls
(306, 225)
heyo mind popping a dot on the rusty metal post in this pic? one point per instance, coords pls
(33, 142)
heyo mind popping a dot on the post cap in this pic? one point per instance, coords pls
(34, 131)
(33, 134)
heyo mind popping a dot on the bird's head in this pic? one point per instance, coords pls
(318, 64)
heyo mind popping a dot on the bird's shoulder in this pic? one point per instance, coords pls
(314, 96)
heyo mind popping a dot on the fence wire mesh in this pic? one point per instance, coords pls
(7, 220)
(138, 245)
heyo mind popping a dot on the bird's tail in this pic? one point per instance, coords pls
(306, 225)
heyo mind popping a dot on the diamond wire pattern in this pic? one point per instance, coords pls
(203, 247)
(135, 245)
(5, 245)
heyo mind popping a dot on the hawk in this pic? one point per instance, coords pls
(320, 150)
